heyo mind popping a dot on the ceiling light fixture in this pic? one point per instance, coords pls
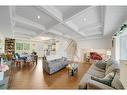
(38, 17)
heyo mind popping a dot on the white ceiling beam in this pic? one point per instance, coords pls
(91, 24)
(94, 33)
(72, 29)
(96, 37)
(90, 28)
(102, 14)
(71, 24)
(22, 36)
(55, 32)
(12, 14)
(91, 33)
(99, 36)
(58, 33)
(23, 20)
(50, 13)
(24, 31)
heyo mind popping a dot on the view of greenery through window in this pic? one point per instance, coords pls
(22, 46)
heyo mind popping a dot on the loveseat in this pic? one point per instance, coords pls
(53, 65)
(102, 75)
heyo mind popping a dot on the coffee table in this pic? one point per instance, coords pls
(72, 69)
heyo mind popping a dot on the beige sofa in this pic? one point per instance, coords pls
(100, 70)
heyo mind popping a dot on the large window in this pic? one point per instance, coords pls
(19, 46)
(123, 45)
(22, 46)
(26, 46)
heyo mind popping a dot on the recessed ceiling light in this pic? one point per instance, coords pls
(84, 19)
(38, 17)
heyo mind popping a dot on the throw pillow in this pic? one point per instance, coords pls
(109, 62)
(101, 64)
(116, 82)
(106, 80)
(114, 67)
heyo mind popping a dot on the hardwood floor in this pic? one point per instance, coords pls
(33, 77)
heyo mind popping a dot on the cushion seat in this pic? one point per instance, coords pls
(97, 72)
(102, 76)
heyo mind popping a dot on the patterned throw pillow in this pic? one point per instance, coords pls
(101, 64)
(106, 80)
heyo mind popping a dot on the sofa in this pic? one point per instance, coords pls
(102, 75)
(53, 65)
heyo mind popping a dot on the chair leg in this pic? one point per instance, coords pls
(21, 64)
(15, 63)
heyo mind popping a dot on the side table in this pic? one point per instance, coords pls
(72, 69)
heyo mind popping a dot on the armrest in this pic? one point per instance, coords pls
(92, 84)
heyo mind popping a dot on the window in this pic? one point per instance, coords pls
(123, 46)
(26, 46)
(19, 46)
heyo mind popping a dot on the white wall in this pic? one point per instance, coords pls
(38, 47)
(93, 44)
(96, 44)
(60, 48)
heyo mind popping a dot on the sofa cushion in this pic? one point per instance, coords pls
(101, 64)
(97, 72)
(113, 67)
(116, 82)
(106, 80)
(108, 63)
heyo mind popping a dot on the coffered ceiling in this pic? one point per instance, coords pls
(76, 22)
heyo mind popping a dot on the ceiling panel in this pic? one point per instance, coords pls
(78, 21)
(69, 11)
(32, 13)
(62, 29)
(28, 27)
(65, 31)
(87, 17)
(115, 16)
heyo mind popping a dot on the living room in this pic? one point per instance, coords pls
(63, 47)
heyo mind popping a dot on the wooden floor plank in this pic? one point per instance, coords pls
(33, 77)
